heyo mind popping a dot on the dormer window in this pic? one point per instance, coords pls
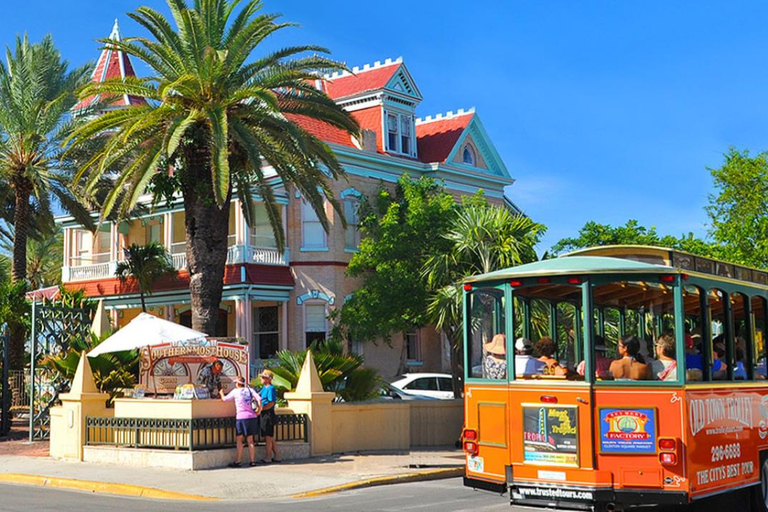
(400, 134)
(469, 156)
(392, 132)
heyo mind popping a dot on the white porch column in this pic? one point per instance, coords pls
(113, 244)
(168, 231)
(67, 246)
(284, 326)
(248, 319)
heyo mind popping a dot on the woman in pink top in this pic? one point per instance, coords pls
(246, 418)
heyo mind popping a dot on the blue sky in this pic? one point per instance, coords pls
(602, 110)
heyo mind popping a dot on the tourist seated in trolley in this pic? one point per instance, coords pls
(525, 364)
(495, 359)
(545, 348)
(602, 361)
(664, 367)
(631, 364)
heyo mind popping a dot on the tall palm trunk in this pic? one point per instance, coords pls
(207, 227)
(22, 191)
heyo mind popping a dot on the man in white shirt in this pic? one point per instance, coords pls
(525, 363)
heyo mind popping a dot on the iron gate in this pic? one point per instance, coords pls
(53, 329)
(5, 390)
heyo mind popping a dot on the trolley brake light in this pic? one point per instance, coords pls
(467, 287)
(668, 458)
(515, 283)
(544, 280)
(469, 435)
(548, 399)
(470, 447)
(667, 444)
(574, 280)
(667, 279)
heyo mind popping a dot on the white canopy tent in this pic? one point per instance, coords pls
(145, 331)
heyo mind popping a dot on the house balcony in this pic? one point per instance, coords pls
(99, 266)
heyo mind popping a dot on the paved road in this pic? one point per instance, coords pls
(441, 495)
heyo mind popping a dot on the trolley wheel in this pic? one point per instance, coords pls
(760, 492)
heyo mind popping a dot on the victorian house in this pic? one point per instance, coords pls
(281, 300)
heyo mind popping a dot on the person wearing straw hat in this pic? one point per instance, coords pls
(247, 407)
(268, 416)
(495, 359)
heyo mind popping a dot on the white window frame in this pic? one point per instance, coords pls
(264, 223)
(402, 118)
(304, 222)
(325, 317)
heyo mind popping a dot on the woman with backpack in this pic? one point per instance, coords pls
(248, 408)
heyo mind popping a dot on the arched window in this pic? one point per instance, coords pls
(469, 155)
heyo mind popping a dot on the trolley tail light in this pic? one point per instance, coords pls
(467, 287)
(668, 458)
(667, 278)
(469, 444)
(515, 283)
(574, 280)
(548, 399)
(667, 444)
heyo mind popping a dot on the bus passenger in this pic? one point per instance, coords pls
(631, 364)
(525, 363)
(602, 361)
(495, 360)
(665, 366)
(546, 348)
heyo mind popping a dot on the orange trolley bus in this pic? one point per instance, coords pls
(617, 376)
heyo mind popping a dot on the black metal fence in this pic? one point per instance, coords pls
(5, 388)
(182, 434)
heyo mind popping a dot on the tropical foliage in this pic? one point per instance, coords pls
(37, 90)
(14, 311)
(482, 238)
(146, 264)
(43, 256)
(112, 372)
(219, 118)
(340, 372)
(401, 230)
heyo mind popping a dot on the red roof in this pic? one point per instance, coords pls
(321, 130)
(370, 119)
(436, 139)
(364, 80)
(112, 64)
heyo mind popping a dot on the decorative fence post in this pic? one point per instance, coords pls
(310, 399)
(5, 418)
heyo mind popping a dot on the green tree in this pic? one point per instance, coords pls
(146, 264)
(737, 210)
(401, 229)
(223, 121)
(340, 372)
(482, 238)
(36, 92)
(632, 233)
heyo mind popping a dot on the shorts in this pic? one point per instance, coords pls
(268, 421)
(247, 428)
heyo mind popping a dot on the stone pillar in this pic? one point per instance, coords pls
(68, 419)
(310, 399)
(284, 326)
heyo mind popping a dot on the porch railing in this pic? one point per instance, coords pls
(182, 434)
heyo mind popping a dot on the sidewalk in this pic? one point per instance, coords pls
(287, 479)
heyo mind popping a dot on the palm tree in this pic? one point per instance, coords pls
(146, 264)
(36, 92)
(43, 255)
(222, 122)
(484, 238)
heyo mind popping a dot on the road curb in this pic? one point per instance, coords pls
(136, 491)
(401, 478)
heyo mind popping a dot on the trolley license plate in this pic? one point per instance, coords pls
(551, 494)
